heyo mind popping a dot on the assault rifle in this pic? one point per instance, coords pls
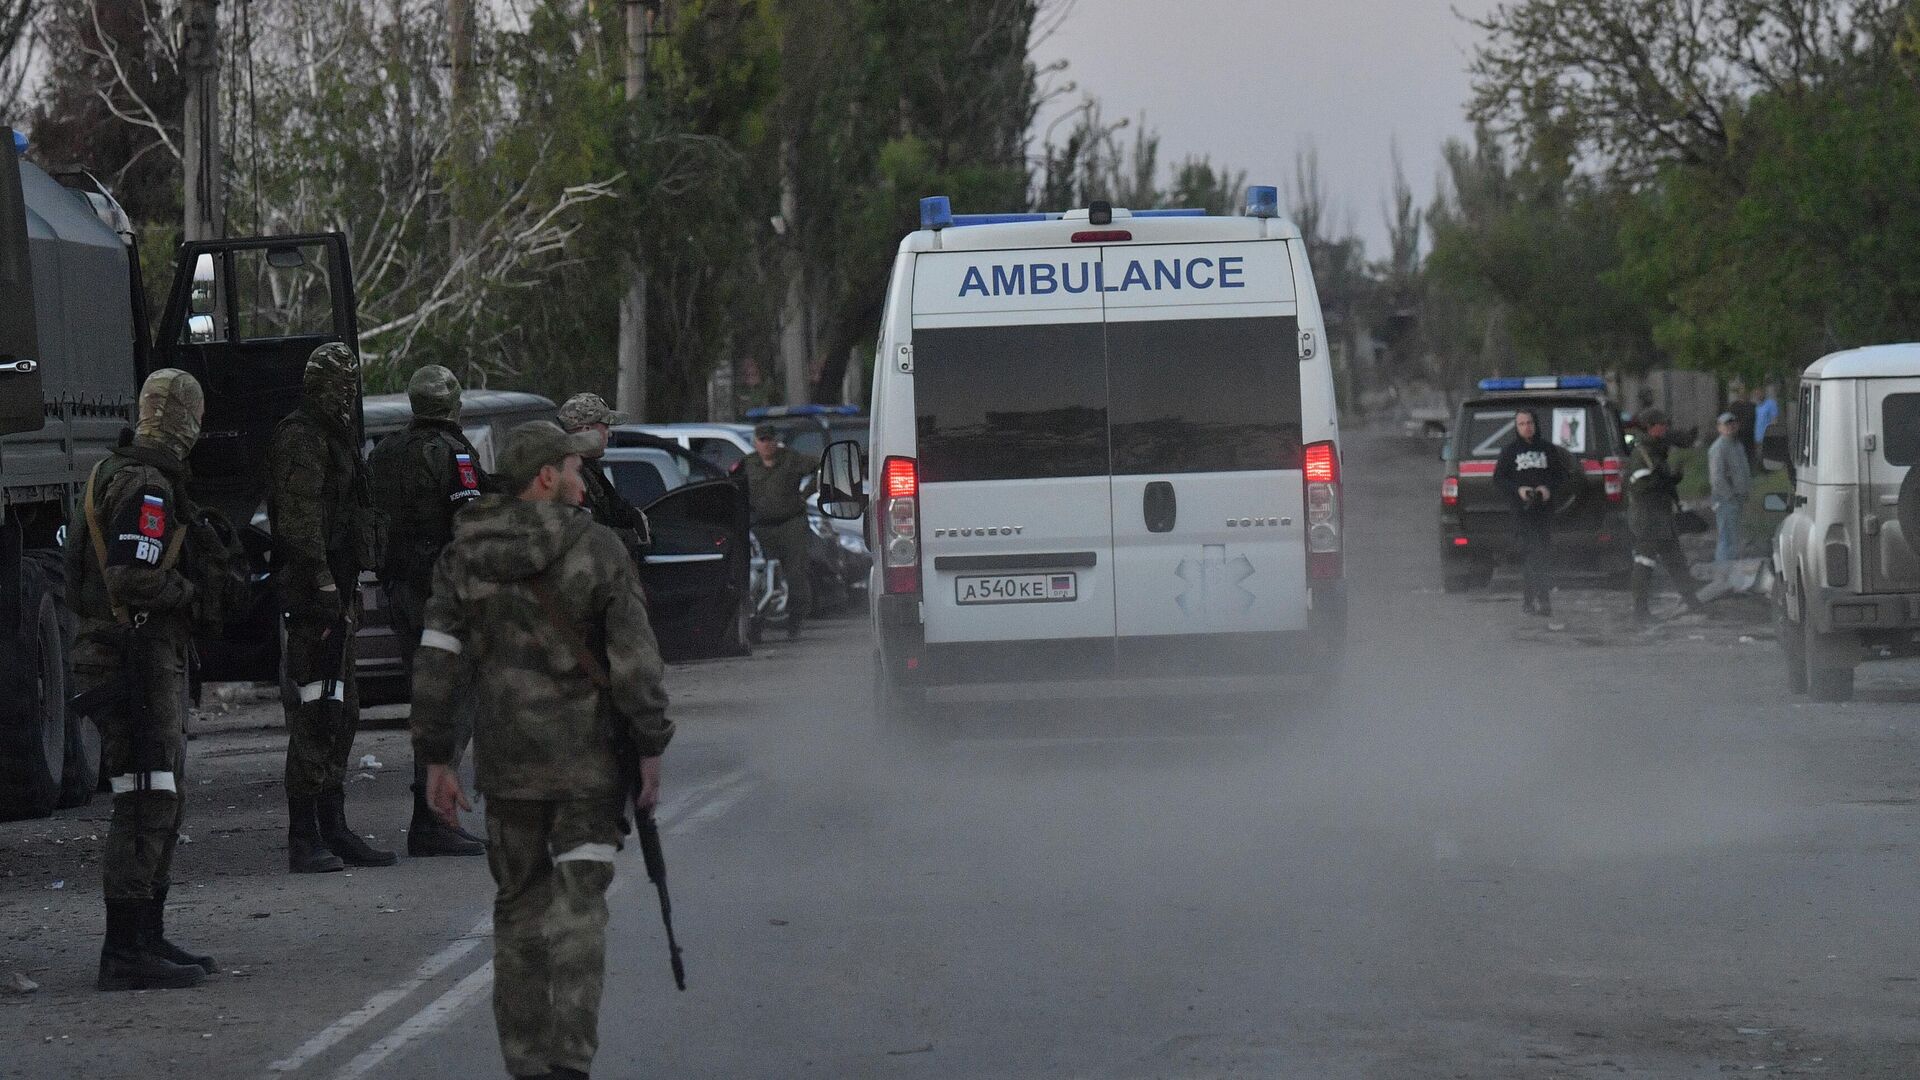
(656, 862)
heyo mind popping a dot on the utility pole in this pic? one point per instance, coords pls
(200, 56)
(460, 86)
(630, 389)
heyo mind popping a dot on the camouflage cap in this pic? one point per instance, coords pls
(1650, 418)
(171, 404)
(583, 409)
(533, 446)
(434, 393)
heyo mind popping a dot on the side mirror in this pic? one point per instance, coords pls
(1446, 449)
(285, 258)
(843, 482)
(201, 300)
(1774, 503)
(199, 329)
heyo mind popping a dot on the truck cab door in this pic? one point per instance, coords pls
(21, 406)
(242, 317)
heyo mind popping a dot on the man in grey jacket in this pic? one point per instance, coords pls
(1731, 478)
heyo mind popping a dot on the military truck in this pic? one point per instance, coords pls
(75, 341)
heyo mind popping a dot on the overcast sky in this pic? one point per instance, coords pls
(1250, 81)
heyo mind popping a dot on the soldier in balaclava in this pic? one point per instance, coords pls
(131, 586)
(422, 477)
(324, 534)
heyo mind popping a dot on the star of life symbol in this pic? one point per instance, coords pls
(1213, 583)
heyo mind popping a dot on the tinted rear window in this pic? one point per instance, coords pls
(1574, 427)
(1204, 395)
(1900, 419)
(1011, 402)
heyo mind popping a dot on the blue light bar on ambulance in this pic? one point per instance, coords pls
(1545, 382)
(20, 144)
(936, 212)
(1263, 202)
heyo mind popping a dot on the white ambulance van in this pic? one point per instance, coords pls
(1104, 443)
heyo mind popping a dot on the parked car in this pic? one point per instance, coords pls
(1846, 575)
(1589, 517)
(697, 565)
(485, 417)
(810, 428)
(722, 444)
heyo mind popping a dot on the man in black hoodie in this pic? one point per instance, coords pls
(1532, 471)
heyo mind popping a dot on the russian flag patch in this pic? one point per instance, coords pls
(153, 516)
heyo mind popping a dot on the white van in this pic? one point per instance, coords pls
(1847, 579)
(1103, 443)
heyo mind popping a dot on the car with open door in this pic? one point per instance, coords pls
(697, 564)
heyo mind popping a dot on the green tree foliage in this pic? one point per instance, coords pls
(1722, 183)
(1524, 257)
(1815, 246)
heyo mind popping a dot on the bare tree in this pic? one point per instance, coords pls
(18, 41)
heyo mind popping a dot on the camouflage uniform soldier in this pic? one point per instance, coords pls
(323, 536)
(134, 603)
(534, 606)
(589, 413)
(421, 477)
(776, 476)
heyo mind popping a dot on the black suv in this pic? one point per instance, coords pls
(1590, 524)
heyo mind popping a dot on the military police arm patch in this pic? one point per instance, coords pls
(466, 478)
(140, 530)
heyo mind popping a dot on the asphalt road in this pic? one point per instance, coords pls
(1501, 851)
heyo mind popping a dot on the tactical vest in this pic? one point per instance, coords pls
(413, 472)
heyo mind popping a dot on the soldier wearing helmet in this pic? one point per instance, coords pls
(324, 533)
(421, 478)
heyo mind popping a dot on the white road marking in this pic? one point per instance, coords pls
(702, 802)
(722, 801)
(385, 999)
(438, 1014)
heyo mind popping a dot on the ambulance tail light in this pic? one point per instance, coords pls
(1450, 491)
(1610, 479)
(900, 525)
(1324, 518)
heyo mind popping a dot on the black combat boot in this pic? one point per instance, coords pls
(1642, 585)
(124, 965)
(561, 1072)
(306, 852)
(153, 936)
(428, 835)
(340, 837)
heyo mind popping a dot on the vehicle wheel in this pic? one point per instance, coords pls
(1824, 683)
(1792, 644)
(1458, 581)
(33, 731)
